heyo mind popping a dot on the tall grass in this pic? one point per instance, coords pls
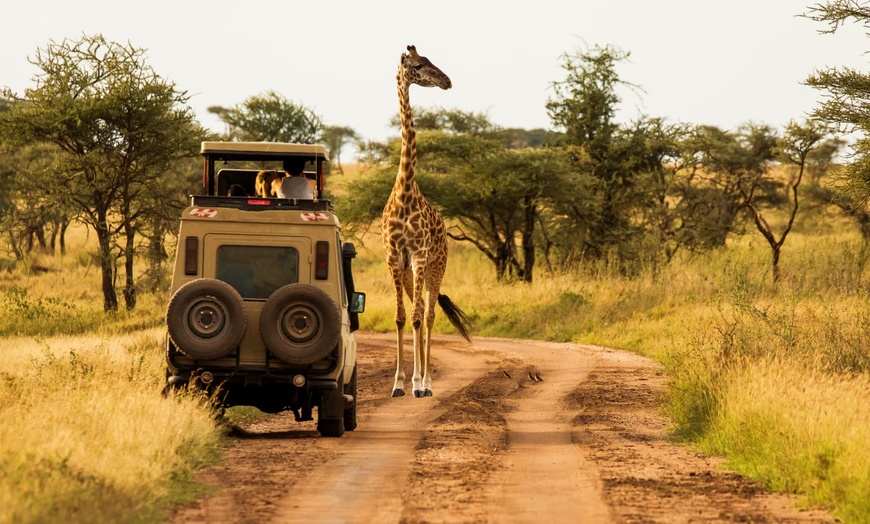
(86, 434)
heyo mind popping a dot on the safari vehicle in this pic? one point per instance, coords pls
(263, 307)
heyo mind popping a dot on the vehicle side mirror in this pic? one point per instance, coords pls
(357, 302)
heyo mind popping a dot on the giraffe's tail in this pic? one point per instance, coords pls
(456, 316)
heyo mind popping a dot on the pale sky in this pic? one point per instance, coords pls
(711, 62)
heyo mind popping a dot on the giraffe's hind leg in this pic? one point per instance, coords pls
(433, 287)
(426, 349)
(420, 334)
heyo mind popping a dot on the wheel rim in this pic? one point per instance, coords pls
(206, 318)
(300, 323)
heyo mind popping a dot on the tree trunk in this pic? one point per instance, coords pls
(129, 257)
(776, 251)
(157, 254)
(107, 267)
(64, 224)
(16, 249)
(864, 225)
(529, 240)
(52, 240)
(501, 262)
(40, 237)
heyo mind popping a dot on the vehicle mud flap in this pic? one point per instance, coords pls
(330, 414)
(350, 403)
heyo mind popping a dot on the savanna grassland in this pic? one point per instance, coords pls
(86, 435)
(774, 377)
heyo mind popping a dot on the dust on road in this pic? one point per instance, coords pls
(518, 431)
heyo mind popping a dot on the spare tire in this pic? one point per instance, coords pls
(300, 324)
(206, 319)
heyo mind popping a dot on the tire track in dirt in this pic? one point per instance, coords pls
(458, 453)
(503, 450)
(541, 450)
(368, 480)
(584, 443)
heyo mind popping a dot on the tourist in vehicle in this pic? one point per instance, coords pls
(294, 185)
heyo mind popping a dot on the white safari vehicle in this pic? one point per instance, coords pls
(263, 305)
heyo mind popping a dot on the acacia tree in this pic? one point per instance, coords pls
(336, 137)
(846, 98)
(454, 121)
(726, 166)
(618, 203)
(793, 148)
(116, 126)
(270, 117)
(499, 198)
(34, 212)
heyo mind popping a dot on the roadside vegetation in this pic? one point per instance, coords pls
(86, 435)
(774, 377)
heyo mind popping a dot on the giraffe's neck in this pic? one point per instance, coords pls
(408, 162)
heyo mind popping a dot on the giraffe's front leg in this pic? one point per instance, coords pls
(399, 382)
(417, 378)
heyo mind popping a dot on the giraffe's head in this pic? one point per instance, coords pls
(419, 70)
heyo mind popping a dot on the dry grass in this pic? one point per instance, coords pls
(798, 429)
(86, 434)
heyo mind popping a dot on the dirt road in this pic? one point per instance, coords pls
(518, 431)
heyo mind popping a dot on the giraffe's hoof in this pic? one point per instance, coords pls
(418, 393)
(427, 393)
(398, 393)
(423, 393)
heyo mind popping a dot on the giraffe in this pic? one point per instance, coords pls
(415, 237)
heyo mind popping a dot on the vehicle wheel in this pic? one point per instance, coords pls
(206, 319)
(300, 324)
(350, 411)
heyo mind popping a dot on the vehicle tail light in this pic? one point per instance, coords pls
(191, 255)
(321, 260)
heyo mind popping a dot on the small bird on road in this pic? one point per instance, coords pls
(508, 375)
(532, 377)
(538, 377)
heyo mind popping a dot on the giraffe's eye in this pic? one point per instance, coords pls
(418, 66)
